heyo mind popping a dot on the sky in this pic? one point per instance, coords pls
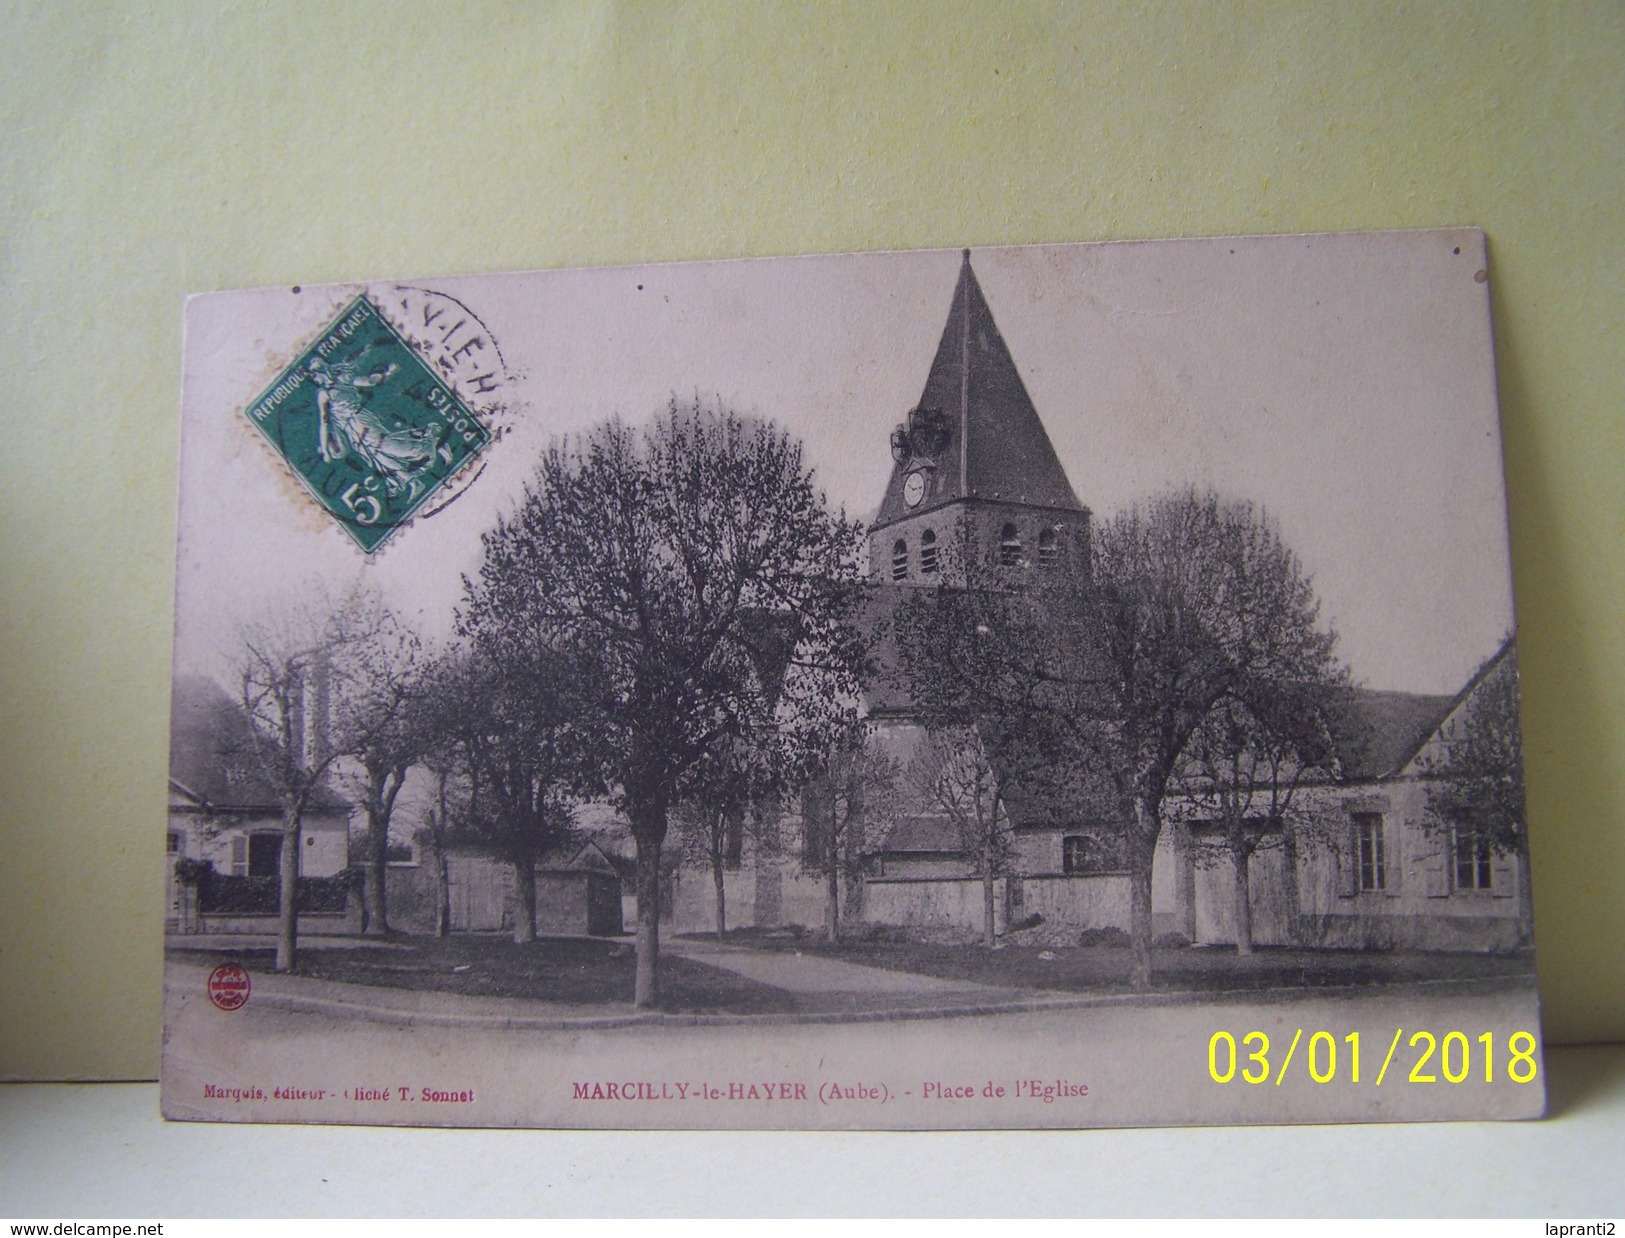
(1343, 383)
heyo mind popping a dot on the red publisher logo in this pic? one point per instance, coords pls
(228, 986)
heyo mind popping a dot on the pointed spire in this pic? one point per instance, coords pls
(996, 447)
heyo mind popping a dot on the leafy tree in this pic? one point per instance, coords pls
(1194, 600)
(1476, 782)
(654, 555)
(512, 708)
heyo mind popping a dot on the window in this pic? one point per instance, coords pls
(264, 855)
(928, 553)
(173, 843)
(1075, 854)
(1472, 853)
(899, 560)
(1371, 862)
(1049, 550)
(1010, 547)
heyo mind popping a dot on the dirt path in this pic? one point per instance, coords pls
(806, 973)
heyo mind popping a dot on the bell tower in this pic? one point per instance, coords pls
(975, 480)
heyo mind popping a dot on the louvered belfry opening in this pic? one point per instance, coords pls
(973, 466)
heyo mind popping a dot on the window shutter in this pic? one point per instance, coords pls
(239, 856)
(1393, 845)
(1503, 876)
(1435, 863)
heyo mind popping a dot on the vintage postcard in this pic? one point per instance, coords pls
(1056, 686)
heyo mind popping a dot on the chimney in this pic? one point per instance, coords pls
(315, 711)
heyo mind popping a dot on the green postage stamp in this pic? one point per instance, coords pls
(367, 424)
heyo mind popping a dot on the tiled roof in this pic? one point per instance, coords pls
(209, 757)
(1387, 729)
(928, 833)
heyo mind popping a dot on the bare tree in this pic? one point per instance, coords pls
(1243, 770)
(718, 794)
(995, 668)
(435, 837)
(290, 667)
(854, 791)
(1278, 722)
(1085, 688)
(448, 714)
(384, 732)
(656, 554)
(956, 775)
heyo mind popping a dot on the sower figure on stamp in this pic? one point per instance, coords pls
(346, 425)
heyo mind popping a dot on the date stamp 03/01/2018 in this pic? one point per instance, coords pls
(1248, 1058)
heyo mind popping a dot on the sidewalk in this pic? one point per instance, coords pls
(225, 943)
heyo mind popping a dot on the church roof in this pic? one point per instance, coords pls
(996, 447)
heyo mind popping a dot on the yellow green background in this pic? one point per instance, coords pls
(148, 151)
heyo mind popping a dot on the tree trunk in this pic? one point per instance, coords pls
(1242, 900)
(717, 877)
(832, 899)
(442, 894)
(1143, 852)
(524, 902)
(646, 990)
(989, 920)
(377, 919)
(287, 942)
(1185, 880)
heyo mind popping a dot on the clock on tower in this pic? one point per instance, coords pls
(914, 488)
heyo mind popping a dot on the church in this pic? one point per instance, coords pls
(976, 485)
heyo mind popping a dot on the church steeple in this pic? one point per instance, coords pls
(974, 444)
(975, 433)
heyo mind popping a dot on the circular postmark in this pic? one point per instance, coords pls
(452, 338)
(228, 986)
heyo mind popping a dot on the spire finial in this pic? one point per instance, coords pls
(967, 257)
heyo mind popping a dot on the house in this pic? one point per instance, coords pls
(1394, 877)
(223, 812)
